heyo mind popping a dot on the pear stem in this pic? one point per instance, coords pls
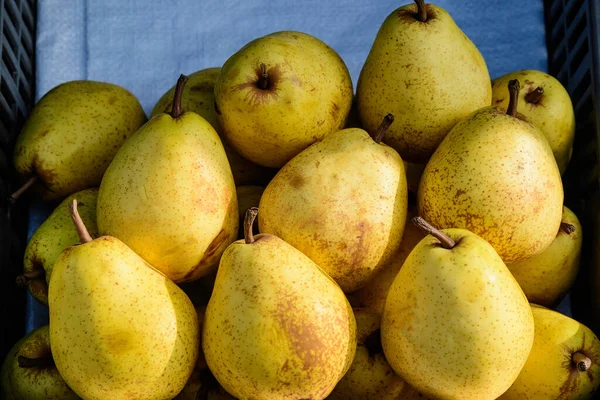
(426, 227)
(176, 108)
(422, 11)
(513, 88)
(567, 228)
(251, 214)
(535, 95)
(263, 81)
(582, 361)
(84, 235)
(383, 127)
(15, 196)
(26, 362)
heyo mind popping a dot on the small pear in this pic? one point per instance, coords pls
(54, 235)
(547, 105)
(169, 195)
(495, 175)
(546, 277)
(564, 362)
(455, 324)
(276, 326)
(119, 328)
(342, 202)
(72, 135)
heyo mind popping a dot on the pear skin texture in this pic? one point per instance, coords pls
(198, 96)
(119, 328)
(343, 203)
(549, 372)
(495, 175)
(53, 236)
(169, 195)
(72, 135)
(308, 95)
(429, 75)
(546, 277)
(36, 383)
(455, 324)
(553, 114)
(276, 326)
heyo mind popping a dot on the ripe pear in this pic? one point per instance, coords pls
(546, 277)
(342, 202)
(169, 195)
(72, 134)
(547, 105)
(423, 69)
(279, 94)
(564, 362)
(54, 235)
(455, 324)
(276, 326)
(198, 96)
(495, 175)
(29, 373)
(119, 328)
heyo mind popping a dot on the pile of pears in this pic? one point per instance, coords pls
(267, 234)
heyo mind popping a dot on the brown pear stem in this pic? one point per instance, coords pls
(582, 361)
(176, 110)
(426, 227)
(251, 214)
(26, 362)
(84, 235)
(513, 88)
(422, 11)
(263, 81)
(24, 188)
(383, 127)
(567, 228)
(535, 95)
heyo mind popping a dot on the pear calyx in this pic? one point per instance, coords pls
(426, 227)
(19, 192)
(176, 110)
(263, 81)
(44, 361)
(582, 361)
(422, 11)
(23, 279)
(84, 235)
(567, 228)
(385, 124)
(535, 95)
(513, 88)
(251, 214)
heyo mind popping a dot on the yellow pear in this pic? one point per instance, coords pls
(279, 94)
(546, 104)
(455, 324)
(423, 69)
(564, 362)
(54, 235)
(198, 96)
(546, 277)
(342, 202)
(170, 196)
(119, 328)
(495, 175)
(276, 326)
(72, 134)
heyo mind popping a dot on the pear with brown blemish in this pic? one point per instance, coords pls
(546, 104)
(198, 96)
(169, 195)
(495, 175)
(276, 326)
(279, 94)
(564, 362)
(119, 328)
(423, 69)
(72, 135)
(455, 324)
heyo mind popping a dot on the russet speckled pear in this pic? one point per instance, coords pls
(54, 235)
(198, 96)
(73, 133)
(564, 362)
(429, 75)
(304, 93)
(169, 195)
(546, 277)
(276, 326)
(550, 109)
(35, 378)
(343, 203)
(455, 324)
